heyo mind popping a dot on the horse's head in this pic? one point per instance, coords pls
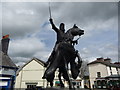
(72, 32)
(76, 31)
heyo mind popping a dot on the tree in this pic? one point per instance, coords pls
(84, 69)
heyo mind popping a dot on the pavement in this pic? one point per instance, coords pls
(71, 89)
(64, 89)
(58, 89)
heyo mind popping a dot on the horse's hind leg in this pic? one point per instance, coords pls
(67, 77)
(51, 83)
(70, 83)
(61, 83)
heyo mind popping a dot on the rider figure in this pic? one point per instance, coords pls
(60, 37)
(60, 32)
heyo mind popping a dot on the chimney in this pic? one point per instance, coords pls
(100, 59)
(5, 44)
(118, 63)
(107, 60)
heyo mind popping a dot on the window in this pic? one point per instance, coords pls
(31, 86)
(6, 69)
(111, 70)
(98, 74)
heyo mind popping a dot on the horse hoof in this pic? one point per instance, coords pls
(70, 87)
(51, 84)
(44, 77)
(62, 86)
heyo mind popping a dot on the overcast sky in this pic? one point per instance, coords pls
(31, 35)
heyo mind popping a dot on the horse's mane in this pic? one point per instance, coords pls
(69, 30)
(69, 34)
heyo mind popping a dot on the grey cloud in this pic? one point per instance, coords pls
(20, 19)
(85, 12)
(102, 50)
(23, 49)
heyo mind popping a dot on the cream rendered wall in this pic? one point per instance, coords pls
(18, 80)
(31, 73)
(33, 65)
(94, 68)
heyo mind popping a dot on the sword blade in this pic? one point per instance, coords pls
(50, 10)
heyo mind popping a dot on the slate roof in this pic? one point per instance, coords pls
(105, 63)
(5, 61)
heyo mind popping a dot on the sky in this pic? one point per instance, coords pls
(31, 34)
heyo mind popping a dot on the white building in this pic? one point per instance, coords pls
(7, 67)
(101, 68)
(30, 76)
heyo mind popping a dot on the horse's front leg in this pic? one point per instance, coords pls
(70, 83)
(61, 83)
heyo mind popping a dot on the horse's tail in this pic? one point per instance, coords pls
(74, 70)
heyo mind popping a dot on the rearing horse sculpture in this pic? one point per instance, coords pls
(65, 53)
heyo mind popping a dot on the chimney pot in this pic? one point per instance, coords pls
(5, 44)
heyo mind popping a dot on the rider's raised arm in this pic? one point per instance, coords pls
(53, 25)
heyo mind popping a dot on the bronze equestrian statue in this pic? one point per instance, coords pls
(63, 54)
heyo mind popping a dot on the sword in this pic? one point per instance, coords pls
(50, 11)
